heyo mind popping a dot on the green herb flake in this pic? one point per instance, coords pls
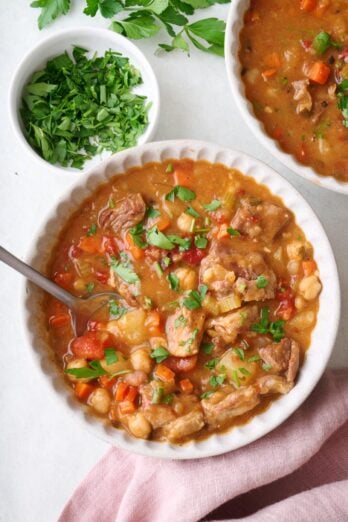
(201, 241)
(180, 322)
(235, 378)
(115, 310)
(194, 298)
(124, 270)
(267, 367)
(89, 287)
(184, 243)
(152, 212)
(240, 353)
(111, 356)
(192, 212)
(233, 232)
(136, 233)
(160, 354)
(156, 238)
(92, 230)
(212, 363)
(208, 348)
(170, 168)
(254, 358)
(244, 371)
(264, 326)
(217, 380)
(214, 205)
(206, 394)
(180, 192)
(158, 269)
(261, 282)
(173, 281)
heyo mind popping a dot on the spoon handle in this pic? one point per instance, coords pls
(35, 277)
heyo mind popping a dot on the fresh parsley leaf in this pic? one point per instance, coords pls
(152, 212)
(160, 354)
(211, 364)
(217, 380)
(136, 233)
(214, 205)
(267, 367)
(180, 322)
(240, 353)
(322, 42)
(183, 242)
(138, 27)
(50, 10)
(90, 287)
(115, 310)
(124, 271)
(194, 298)
(111, 356)
(201, 241)
(275, 328)
(233, 231)
(170, 168)
(173, 281)
(254, 358)
(244, 371)
(182, 193)
(92, 371)
(261, 281)
(235, 378)
(192, 212)
(206, 394)
(156, 238)
(208, 348)
(92, 230)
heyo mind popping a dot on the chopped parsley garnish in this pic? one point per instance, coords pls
(182, 193)
(111, 356)
(212, 363)
(124, 270)
(323, 41)
(160, 354)
(214, 205)
(152, 212)
(254, 358)
(261, 281)
(158, 269)
(267, 367)
(180, 322)
(111, 203)
(170, 168)
(77, 106)
(244, 371)
(192, 212)
(156, 238)
(264, 326)
(195, 297)
(136, 233)
(92, 371)
(165, 262)
(201, 241)
(342, 100)
(235, 378)
(173, 281)
(92, 230)
(184, 243)
(206, 394)
(208, 348)
(240, 353)
(217, 380)
(90, 287)
(190, 340)
(115, 310)
(233, 231)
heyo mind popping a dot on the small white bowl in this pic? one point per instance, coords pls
(96, 40)
(323, 336)
(234, 24)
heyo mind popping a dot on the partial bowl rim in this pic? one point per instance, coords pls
(127, 49)
(323, 336)
(234, 24)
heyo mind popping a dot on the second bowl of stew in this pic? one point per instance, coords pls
(225, 279)
(287, 64)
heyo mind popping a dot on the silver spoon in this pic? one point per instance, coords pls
(81, 309)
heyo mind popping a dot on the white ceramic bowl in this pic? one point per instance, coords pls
(235, 22)
(323, 335)
(96, 40)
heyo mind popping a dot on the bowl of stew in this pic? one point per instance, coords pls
(287, 65)
(228, 300)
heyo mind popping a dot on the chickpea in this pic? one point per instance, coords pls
(141, 360)
(76, 363)
(139, 426)
(187, 278)
(293, 267)
(296, 250)
(100, 400)
(303, 320)
(184, 222)
(310, 287)
(300, 303)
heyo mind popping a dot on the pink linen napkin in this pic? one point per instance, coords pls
(297, 473)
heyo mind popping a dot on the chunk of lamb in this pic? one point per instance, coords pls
(129, 291)
(184, 426)
(227, 272)
(260, 219)
(272, 384)
(302, 96)
(220, 408)
(158, 415)
(128, 213)
(230, 325)
(184, 330)
(284, 357)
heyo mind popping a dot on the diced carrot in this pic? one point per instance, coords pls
(137, 252)
(153, 323)
(164, 373)
(126, 407)
(57, 321)
(308, 5)
(186, 385)
(182, 177)
(162, 223)
(91, 244)
(322, 7)
(107, 382)
(121, 391)
(63, 279)
(83, 390)
(268, 73)
(309, 267)
(272, 60)
(222, 232)
(319, 73)
(131, 394)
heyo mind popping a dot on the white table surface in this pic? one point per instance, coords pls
(44, 454)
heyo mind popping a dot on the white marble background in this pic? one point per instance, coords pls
(44, 454)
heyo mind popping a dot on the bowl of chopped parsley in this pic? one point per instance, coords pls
(81, 95)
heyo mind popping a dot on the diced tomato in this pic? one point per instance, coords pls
(83, 390)
(91, 345)
(277, 133)
(131, 394)
(181, 364)
(126, 407)
(306, 44)
(74, 252)
(63, 279)
(91, 244)
(109, 245)
(107, 382)
(164, 373)
(59, 320)
(286, 308)
(194, 256)
(102, 276)
(95, 326)
(186, 385)
(121, 391)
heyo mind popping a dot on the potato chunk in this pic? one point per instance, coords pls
(120, 365)
(130, 328)
(238, 372)
(310, 287)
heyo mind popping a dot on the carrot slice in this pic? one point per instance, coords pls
(186, 386)
(90, 244)
(309, 267)
(182, 177)
(83, 390)
(121, 391)
(131, 394)
(137, 252)
(164, 373)
(272, 60)
(126, 407)
(162, 223)
(308, 5)
(268, 73)
(107, 382)
(319, 73)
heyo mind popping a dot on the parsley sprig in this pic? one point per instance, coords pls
(265, 326)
